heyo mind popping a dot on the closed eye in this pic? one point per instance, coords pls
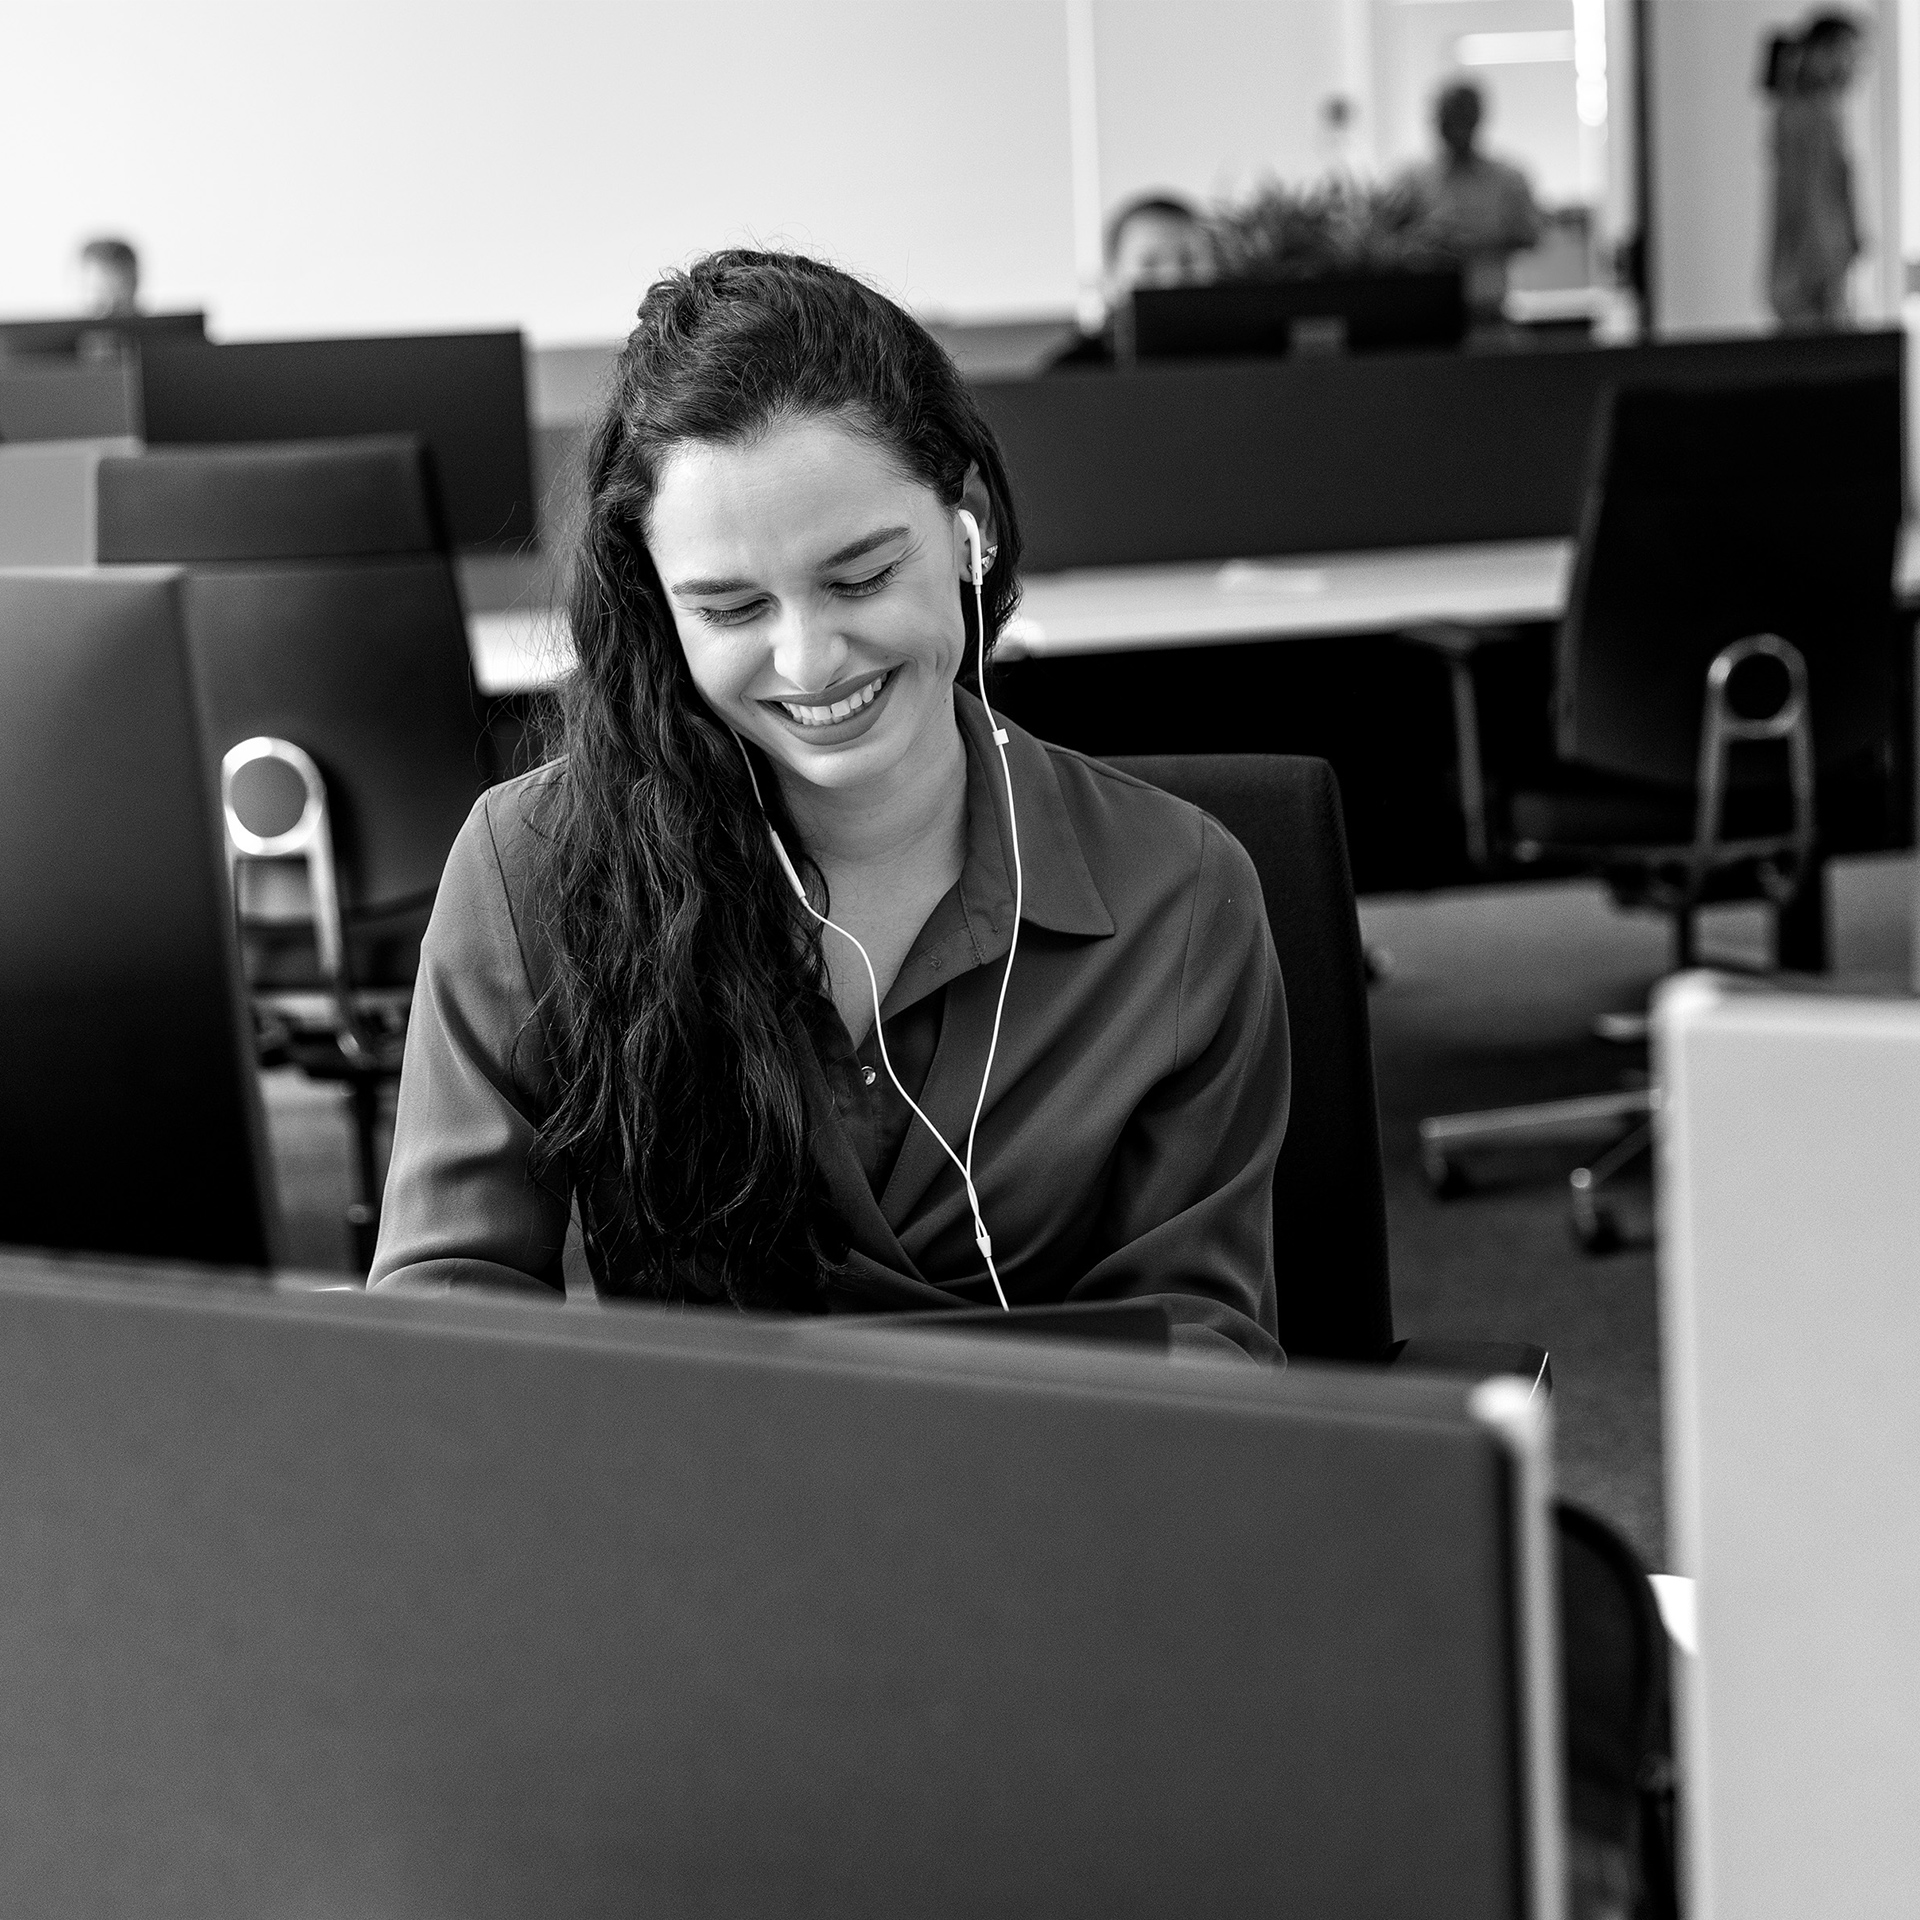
(730, 616)
(870, 583)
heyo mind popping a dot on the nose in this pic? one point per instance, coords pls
(809, 651)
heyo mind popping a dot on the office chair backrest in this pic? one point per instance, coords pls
(321, 608)
(307, 499)
(130, 1116)
(1329, 1199)
(1717, 513)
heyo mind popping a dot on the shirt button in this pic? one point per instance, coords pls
(868, 1075)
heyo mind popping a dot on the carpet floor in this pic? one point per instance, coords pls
(1489, 1001)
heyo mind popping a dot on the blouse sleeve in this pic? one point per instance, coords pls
(461, 1207)
(1189, 1218)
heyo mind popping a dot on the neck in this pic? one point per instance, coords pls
(919, 808)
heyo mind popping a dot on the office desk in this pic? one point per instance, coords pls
(1093, 610)
(1119, 609)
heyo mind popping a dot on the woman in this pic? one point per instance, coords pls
(623, 1005)
(1815, 234)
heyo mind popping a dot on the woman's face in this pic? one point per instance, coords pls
(816, 590)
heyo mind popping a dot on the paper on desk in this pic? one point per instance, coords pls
(1265, 576)
(1674, 1592)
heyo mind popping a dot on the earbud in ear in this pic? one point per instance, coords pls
(973, 546)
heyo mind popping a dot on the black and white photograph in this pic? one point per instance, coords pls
(960, 958)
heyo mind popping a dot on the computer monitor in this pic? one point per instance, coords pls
(1790, 1314)
(1336, 312)
(130, 1117)
(464, 393)
(355, 1604)
(85, 334)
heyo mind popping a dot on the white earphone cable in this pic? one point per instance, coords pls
(982, 1239)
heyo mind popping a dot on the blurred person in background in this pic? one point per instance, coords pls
(1815, 236)
(1479, 208)
(1153, 240)
(109, 278)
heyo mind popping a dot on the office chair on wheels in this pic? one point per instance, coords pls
(336, 695)
(1726, 658)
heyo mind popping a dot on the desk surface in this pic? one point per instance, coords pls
(1116, 609)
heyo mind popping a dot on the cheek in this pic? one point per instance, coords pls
(718, 664)
(935, 628)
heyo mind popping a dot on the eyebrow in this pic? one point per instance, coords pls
(839, 558)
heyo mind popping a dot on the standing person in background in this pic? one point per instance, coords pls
(109, 278)
(1815, 238)
(1480, 208)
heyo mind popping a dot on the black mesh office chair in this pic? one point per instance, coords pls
(1329, 1196)
(1726, 663)
(337, 697)
(130, 1118)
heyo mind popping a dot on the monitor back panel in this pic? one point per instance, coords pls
(130, 1117)
(1791, 1304)
(1198, 460)
(406, 1608)
(465, 394)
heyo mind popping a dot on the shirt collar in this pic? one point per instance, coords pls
(1058, 887)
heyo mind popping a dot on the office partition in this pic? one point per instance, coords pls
(52, 399)
(465, 394)
(1790, 1312)
(353, 1604)
(1225, 460)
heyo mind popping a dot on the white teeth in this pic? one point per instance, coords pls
(826, 716)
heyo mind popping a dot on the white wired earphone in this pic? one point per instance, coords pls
(981, 1238)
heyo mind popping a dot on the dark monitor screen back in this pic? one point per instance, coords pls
(129, 1110)
(1342, 312)
(464, 393)
(1196, 460)
(394, 1608)
(97, 333)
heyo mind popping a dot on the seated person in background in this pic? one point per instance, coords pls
(109, 279)
(1153, 240)
(623, 1004)
(1479, 208)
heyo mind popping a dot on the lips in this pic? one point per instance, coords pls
(830, 713)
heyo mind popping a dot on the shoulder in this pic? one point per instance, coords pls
(1141, 842)
(500, 854)
(511, 827)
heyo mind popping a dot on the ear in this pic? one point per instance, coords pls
(978, 502)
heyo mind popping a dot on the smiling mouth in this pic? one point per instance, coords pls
(862, 696)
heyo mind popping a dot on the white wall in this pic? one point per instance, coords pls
(379, 165)
(393, 164)
(1211, 96)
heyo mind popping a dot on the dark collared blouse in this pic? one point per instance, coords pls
(1138, 1099)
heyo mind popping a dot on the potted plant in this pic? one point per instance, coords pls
(1342, 264)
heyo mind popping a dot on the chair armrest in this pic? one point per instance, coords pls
(1476, 1359)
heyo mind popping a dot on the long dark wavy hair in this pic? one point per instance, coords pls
(684, 974)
